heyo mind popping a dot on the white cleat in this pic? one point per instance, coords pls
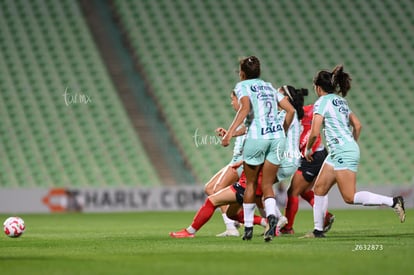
(280, 224)
(229, 233)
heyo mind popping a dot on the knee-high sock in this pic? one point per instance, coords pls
(277, 212)
(228, 222)
(270, 207)
(248, 209)
(371, 199)
(203, 215)
(319, 210)
(308, 196)
(292, 207)
(257, 220)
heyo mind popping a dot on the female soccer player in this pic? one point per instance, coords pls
(231, 195)
(331, 111)
(304, 178)
(230, 173)
(259, 103)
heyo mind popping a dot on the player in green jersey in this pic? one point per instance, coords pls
(341, 129)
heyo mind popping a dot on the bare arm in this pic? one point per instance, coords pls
(240, 131)
(221, 132)
(236, 164)
(356, 126)
(241, 114)
(314, 132)
(290, 112)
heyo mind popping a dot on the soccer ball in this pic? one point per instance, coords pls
(14, 227)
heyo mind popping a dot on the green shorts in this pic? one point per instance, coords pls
(286, 170)
(256, 151)
(237, 159)
(344, 158)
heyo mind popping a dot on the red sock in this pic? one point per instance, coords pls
(240, 218)
(203, 215)
(257, 220)
(308, 196)
(291, 210)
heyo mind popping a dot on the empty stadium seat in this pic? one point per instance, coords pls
(189, 50)
(47, 49)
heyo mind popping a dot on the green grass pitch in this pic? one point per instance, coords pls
(138, 243)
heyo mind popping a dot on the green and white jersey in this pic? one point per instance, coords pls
(291, 153)
(336, 127)
(262, 121)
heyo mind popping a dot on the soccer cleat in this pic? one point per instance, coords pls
(329, 220)
(237, 224)
(229, 233)
(248, 233)
(314, 234)
(280, 224)
(271, 232)
(399, 207)
(181, 234)
(287, 231)
(265, 228)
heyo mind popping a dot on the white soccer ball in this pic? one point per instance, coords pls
(14, 227)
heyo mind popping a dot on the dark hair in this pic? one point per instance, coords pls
(250, 66)
(296, 98)
(336, 81)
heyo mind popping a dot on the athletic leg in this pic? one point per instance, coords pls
(347, 186)
(252, 173)
(297, 186)
(210, 185)
(227, 177)
(324, 181)
(268, 179)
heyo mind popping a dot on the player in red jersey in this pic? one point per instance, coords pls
(232, 196)
(304, 178)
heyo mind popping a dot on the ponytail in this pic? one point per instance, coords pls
(336, 81)
(296, 98)
(341, 81)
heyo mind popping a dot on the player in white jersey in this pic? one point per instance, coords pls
(259, 103)
(230, 173)
(291, 155)
(331, 111)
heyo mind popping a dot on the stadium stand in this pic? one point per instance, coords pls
(62, 122)
(189, 49)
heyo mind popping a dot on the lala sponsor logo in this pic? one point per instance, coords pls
(272, 128)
